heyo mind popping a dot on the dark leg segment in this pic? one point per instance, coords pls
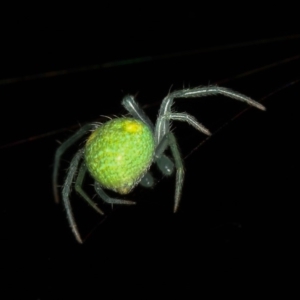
(78, 188)
(108, 199)
(164, 163)
(170, 140)
(61, 150)
(67, 190)
(147, 181)
(179, 169)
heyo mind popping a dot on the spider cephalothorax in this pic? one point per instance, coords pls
(119, 153)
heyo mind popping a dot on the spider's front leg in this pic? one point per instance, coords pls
(169, 140)
(163, 136)
(165, 111)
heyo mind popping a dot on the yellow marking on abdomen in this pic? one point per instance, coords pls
(133, 126)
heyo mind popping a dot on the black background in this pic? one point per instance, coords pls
(240, 193)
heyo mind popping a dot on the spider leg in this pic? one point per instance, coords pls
(61, 150)
(108, 199)
(78, 188)
(165, 165)
(136, 111)
(179, 169)
(184, 117)
(147, 181)
(163, 124)
(67, 190)
(170, 140)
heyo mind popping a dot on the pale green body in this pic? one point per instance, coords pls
(119, 152)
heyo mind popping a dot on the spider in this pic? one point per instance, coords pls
(119, 153)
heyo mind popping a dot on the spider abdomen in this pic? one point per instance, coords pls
(119, 152)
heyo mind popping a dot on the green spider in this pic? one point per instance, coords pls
(119, 153)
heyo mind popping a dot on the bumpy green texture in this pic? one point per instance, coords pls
(119, 152)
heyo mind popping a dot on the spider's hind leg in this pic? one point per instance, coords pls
(108, 199)
(61, 150)
(67, 190)
(78, 188)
